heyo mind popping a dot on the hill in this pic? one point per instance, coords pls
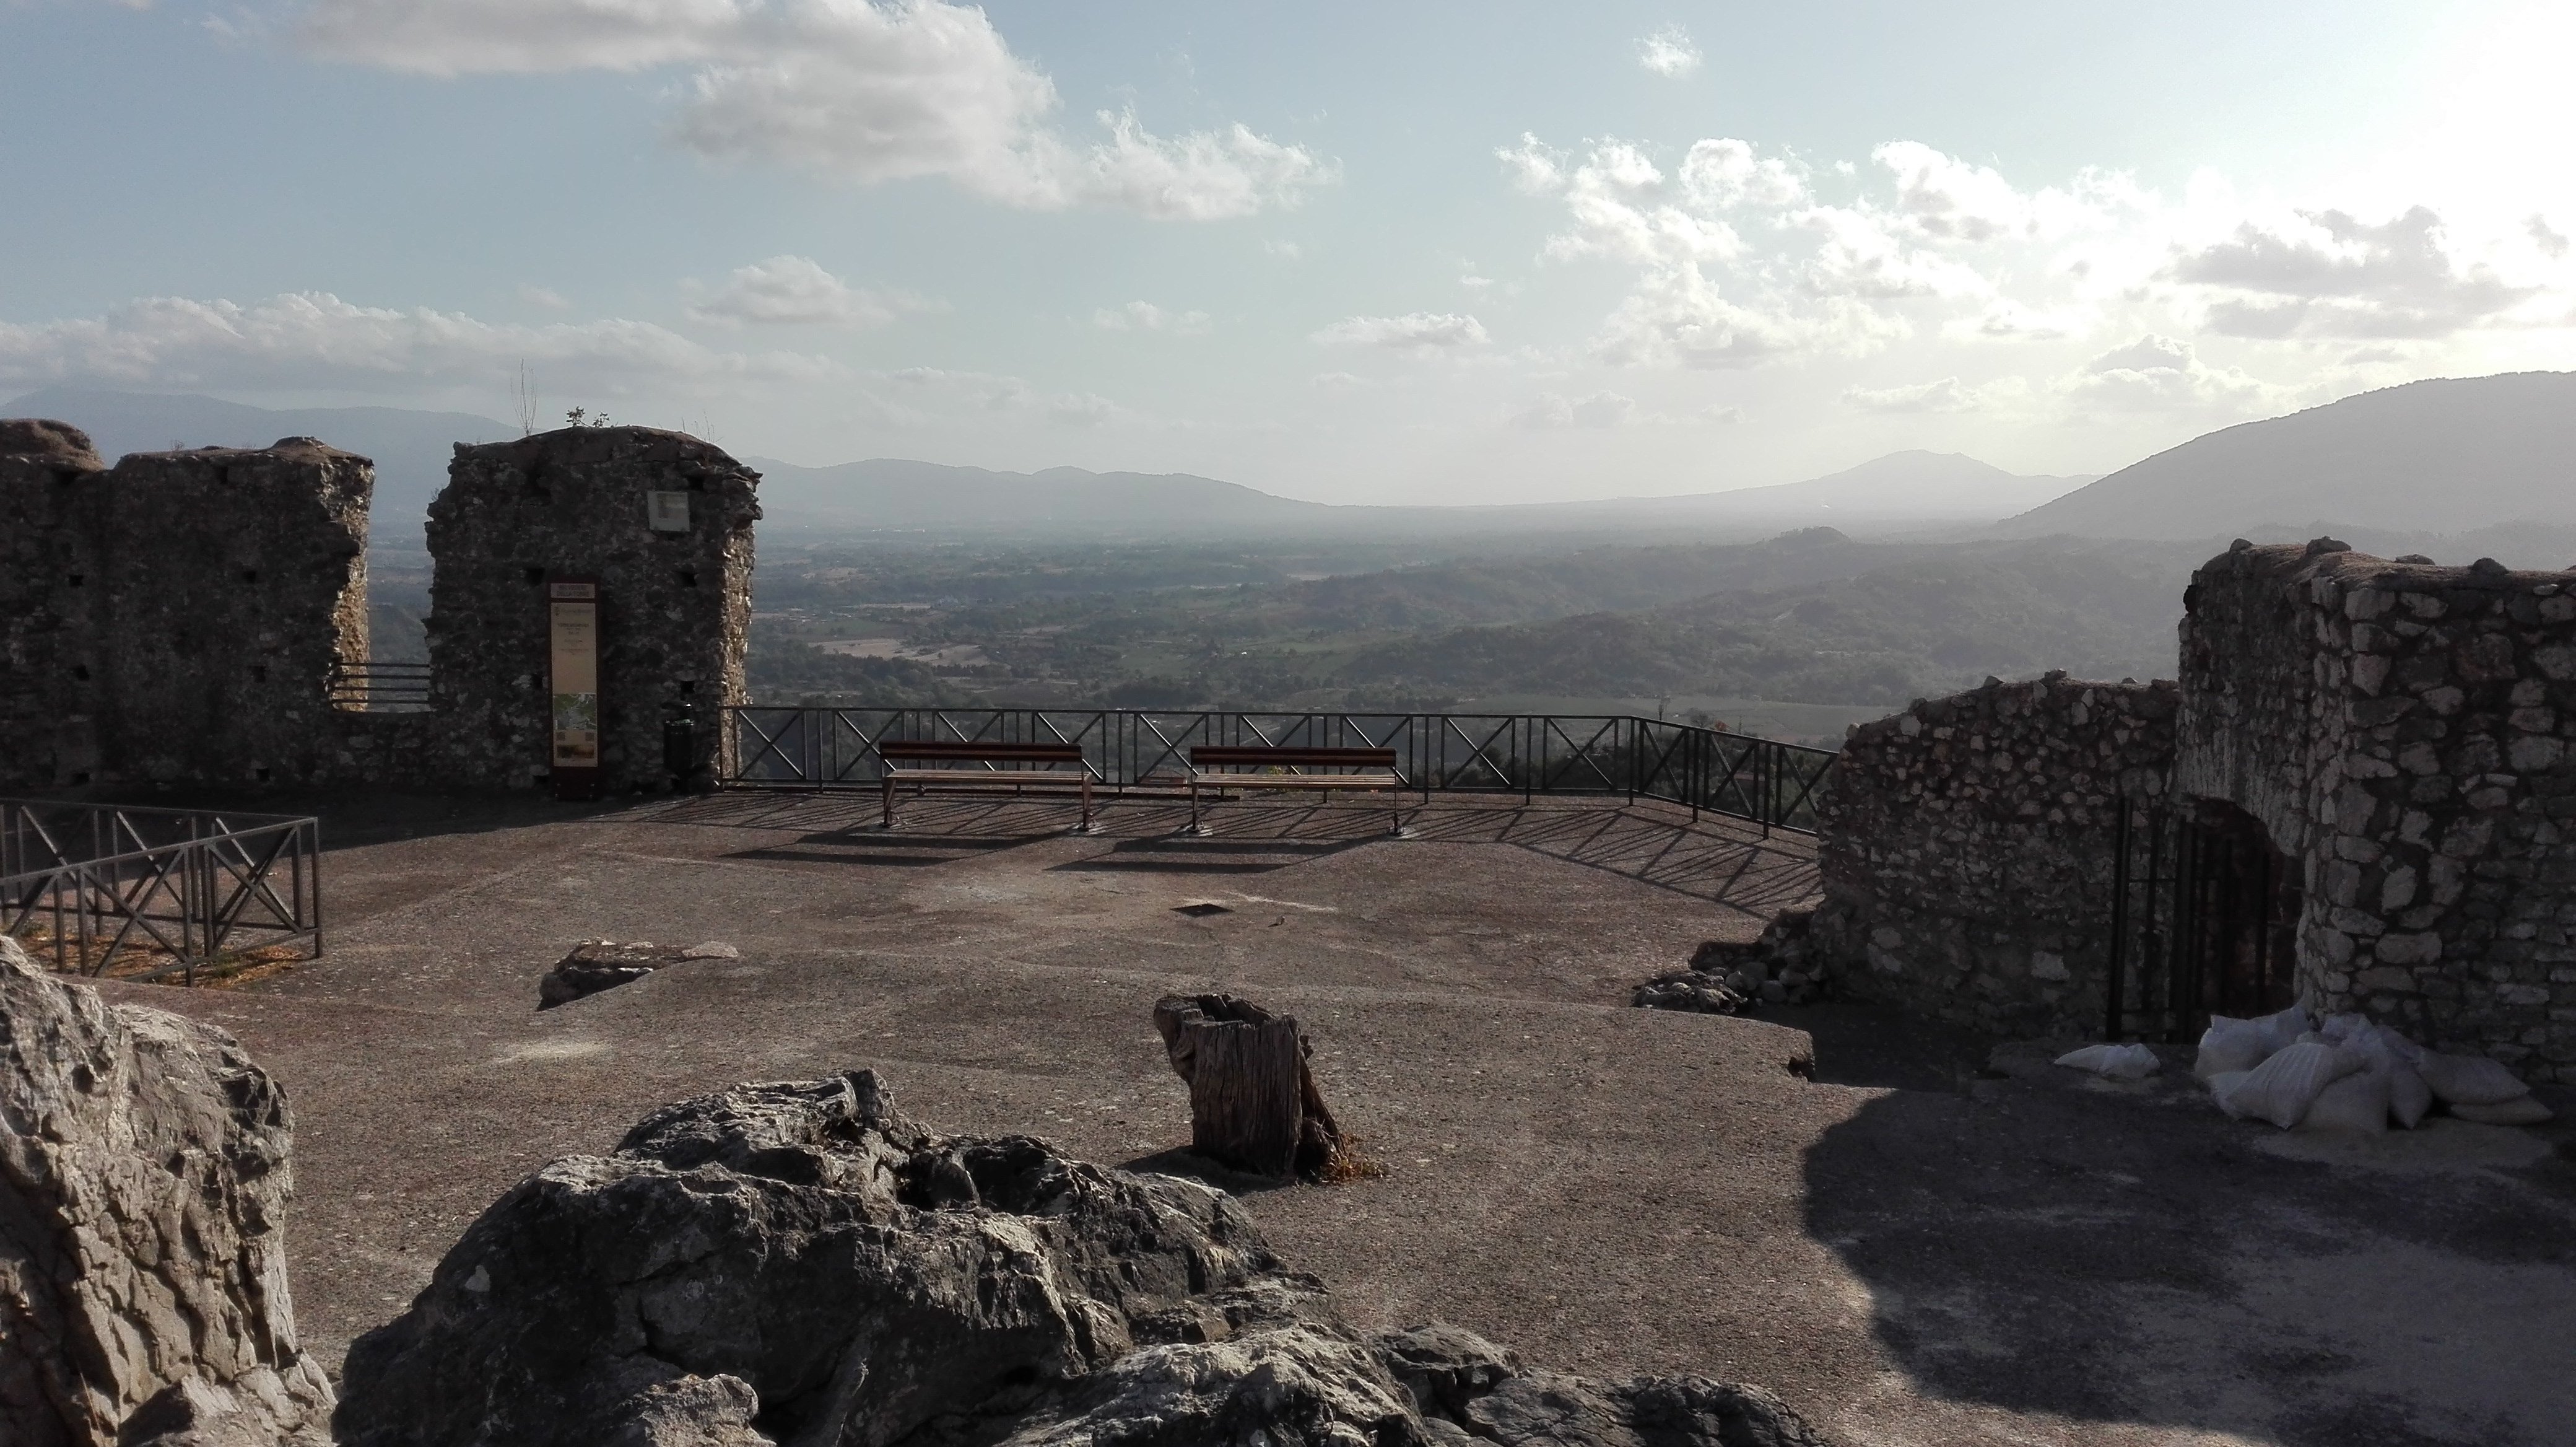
(896, 494)
(2448, 456)
(411, 449)
(1929, 622)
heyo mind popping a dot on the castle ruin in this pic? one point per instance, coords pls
(188, 618)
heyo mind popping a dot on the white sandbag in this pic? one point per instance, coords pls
(2125, 1062)
(2282, 1030)
(2222, 1088)
(2230, 1045)
(2408, 1096)
(2358, 1102)
(2282, 1088)
(2469, 1079)
(2521, 1110)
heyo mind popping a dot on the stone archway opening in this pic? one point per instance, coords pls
(2205, 921)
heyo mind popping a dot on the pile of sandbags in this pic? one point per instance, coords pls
(2348, 1073)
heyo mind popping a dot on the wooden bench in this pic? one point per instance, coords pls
(983, 767)
(1213, 769)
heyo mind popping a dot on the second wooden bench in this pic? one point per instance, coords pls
(1215, 768)
(983, 767)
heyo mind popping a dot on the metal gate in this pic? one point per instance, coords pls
(2204, 913)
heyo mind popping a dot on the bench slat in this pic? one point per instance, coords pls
(1292, 757)
(981, 753)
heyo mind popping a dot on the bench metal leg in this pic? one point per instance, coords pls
(889, 801)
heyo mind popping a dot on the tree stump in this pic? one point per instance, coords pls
(1253, 1101)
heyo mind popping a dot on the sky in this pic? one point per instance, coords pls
(1469, 252)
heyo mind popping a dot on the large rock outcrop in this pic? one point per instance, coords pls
(798, 1263)
(144, 1174)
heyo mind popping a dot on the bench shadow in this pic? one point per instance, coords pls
(2115, 1254)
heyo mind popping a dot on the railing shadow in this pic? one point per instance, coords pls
(1713, 859)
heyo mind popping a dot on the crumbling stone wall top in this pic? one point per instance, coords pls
(1966, 849)
(674, 598)
(2406, 729)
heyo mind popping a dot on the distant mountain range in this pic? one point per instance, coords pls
(2449, 456)
(411, 449)
(2476, 459)
(888, 494)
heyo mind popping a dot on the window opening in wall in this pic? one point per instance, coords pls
(2204, 917)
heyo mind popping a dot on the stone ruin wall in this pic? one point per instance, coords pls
(2405, 729)
(175, 619)
(675, 607)
(1966, 850)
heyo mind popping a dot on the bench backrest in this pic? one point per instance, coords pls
(969, 752)
(1227, 755)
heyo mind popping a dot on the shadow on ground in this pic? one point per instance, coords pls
(2126, 1254)
(1709, 858)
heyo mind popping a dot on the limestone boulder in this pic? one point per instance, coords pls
(145, 1168)
(801, 1263)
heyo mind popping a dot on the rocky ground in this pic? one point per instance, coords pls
(1906, 1247)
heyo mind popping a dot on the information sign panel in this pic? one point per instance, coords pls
(572, 645)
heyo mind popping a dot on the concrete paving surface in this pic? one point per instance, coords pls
(1912, 1247)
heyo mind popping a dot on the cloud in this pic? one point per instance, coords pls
(2329, 274)
(1144, 316)
(2156, 373)
(1668, 52)
(860, 91)
(1419, 332)
(1602, 409)
(1738, 259)
(927, 396)
(797, 291)
(545, 296)
(1946, 395)
(1284, 250)
(316, 340)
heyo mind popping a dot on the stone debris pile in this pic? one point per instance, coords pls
(1729, 978)
(596, 965)
(798, 1262)
(2349, 1073)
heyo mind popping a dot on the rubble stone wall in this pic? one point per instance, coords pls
(675, 606)
(1966, 850)
(176, 618)
(2405, 729)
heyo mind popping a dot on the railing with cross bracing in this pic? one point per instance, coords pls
(147, 893)
(1772, 783)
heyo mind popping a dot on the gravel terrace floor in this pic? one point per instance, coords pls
(1912, 1248)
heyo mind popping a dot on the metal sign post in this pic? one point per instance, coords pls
(572, 645)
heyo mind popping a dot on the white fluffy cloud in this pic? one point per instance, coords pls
(2157, 373)
(316, 340)
(848, 88)
(1144, 316)
(1945, 395)
(1420, 332)
(797, 291)
(1668, 52)
(1550, 410)
(2328, 274)
(1743, 259)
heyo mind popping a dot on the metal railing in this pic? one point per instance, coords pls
(1769, 782)
(147, 893)
(378, 687)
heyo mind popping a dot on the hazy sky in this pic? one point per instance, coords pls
(1409, 252)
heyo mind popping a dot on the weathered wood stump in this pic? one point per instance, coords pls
(1253, 1101)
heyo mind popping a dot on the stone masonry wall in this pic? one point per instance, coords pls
(1966, 850)
(2405, 728)
(675, 607)
(46, 562)
(177, 617)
